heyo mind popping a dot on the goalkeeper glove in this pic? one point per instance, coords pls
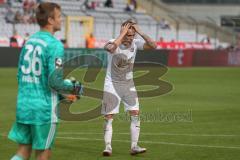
(77, 87)
(76, 92)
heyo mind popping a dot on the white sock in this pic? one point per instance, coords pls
(135, 130)
(108, 131)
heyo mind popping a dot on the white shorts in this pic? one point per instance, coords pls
(114, 93)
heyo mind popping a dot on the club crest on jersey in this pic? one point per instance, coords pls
(58, 63)
(132, 49)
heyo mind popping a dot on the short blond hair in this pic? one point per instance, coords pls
(44, 11)
(131, 21)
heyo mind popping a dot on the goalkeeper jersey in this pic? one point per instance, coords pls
(40, 78)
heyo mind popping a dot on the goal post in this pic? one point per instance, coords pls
(77, 29)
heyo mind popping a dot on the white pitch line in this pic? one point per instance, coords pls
(153, 134)
(148, 142)
(154, 142)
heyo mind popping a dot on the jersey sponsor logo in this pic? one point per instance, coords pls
(58, 63)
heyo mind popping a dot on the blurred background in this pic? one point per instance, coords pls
(176, 25)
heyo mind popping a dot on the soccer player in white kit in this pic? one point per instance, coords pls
(119, 85)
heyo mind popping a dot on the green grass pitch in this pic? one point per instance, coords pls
(211, 96)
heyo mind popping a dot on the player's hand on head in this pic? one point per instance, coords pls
(124, 29)
(137, 29)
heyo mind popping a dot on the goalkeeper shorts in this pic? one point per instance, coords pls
(41, 137)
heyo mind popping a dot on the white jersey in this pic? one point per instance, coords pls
(120, 63)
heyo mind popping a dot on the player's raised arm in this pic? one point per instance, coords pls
(112, 46)
(149, 42)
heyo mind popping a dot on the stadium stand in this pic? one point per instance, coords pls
(107, 22)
